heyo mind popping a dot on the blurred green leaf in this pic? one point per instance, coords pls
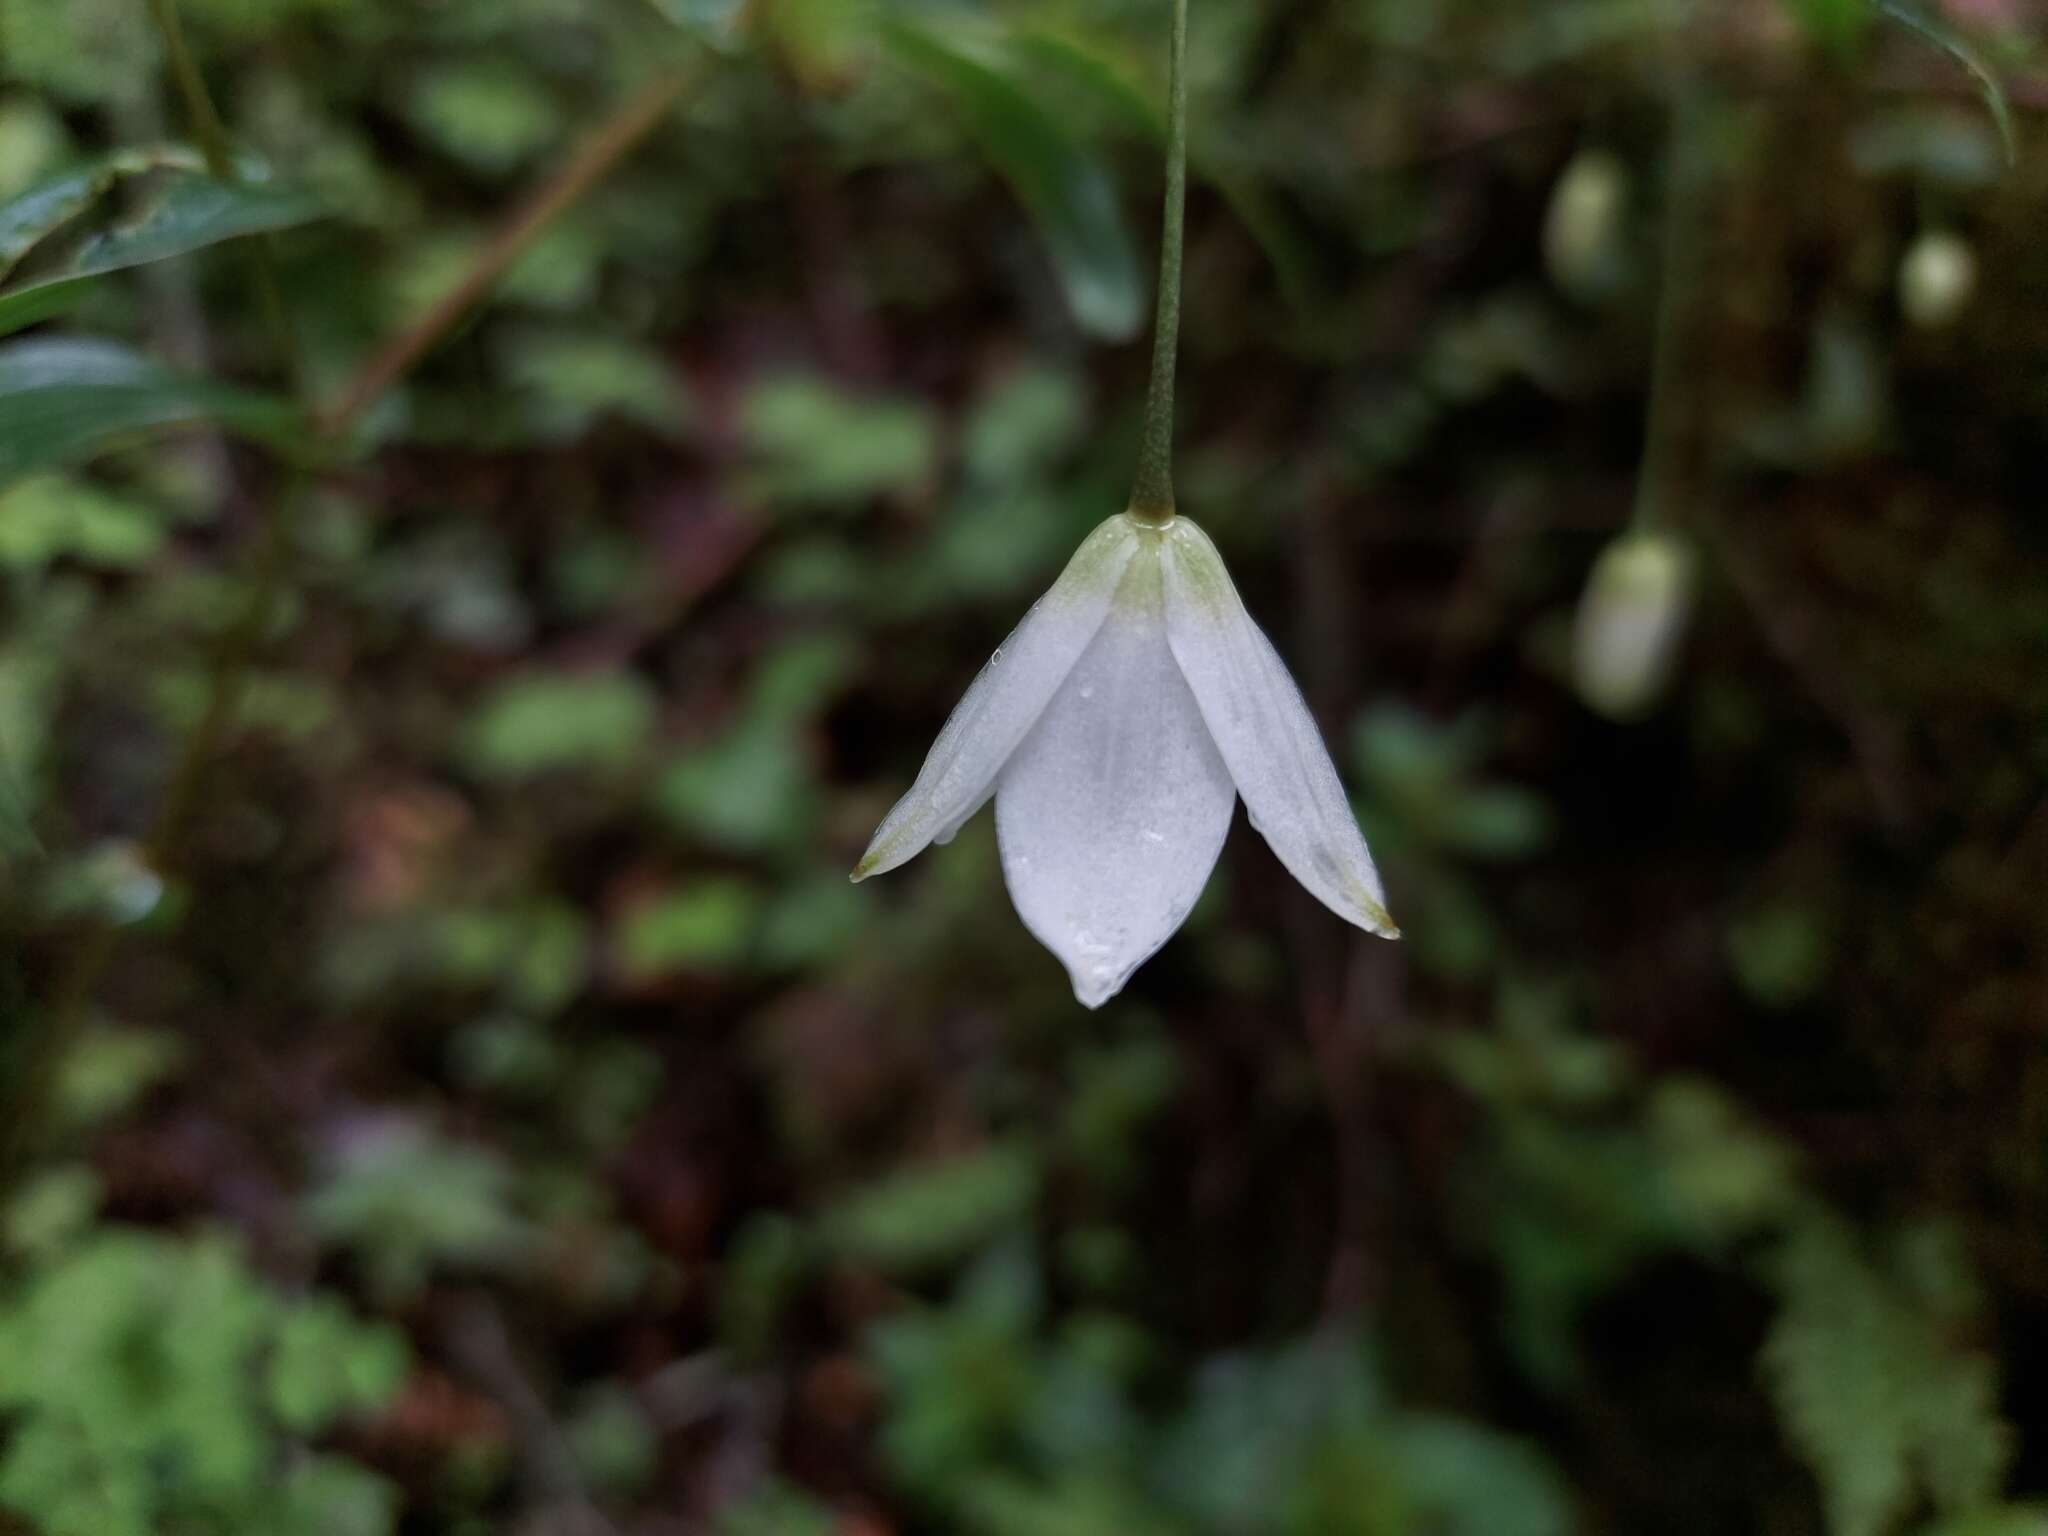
(1780, 954)
(135, 1405)
(549, 722)
(574, 378)
(1067, 190)
(922, 1217)
(487, 111)
(1727, 1175)
(108, 1069)
(34, 214)
(818, 445)
(768, 1261)
(615, 1447)
(1423, 774)
(33, 141)
(705, 925)
(1022, 424)
(82, 51)
(1117, 1089)
(507, 1055)
(779, 1509)
(1836, 25)
(612, 1084)
(1497, 821)
(330, 1496)
(1463, 1479)
(51, 1209)
(1304, 1441)
(1877, 1396)
(749, 791)
(812, 921)
(755, 788)
(326, 1363)
(189, 211)
(406, 1202)
(54, 517)
(1082, 61)
(960, 1376)
(64, 399)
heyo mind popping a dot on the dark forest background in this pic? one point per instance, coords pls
(450, 1086)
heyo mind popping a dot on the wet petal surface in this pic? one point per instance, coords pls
(1263, 728)
(1004, 702)
(1113, 810)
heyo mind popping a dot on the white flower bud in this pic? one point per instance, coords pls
(1936, 278)
(1631, 621)
(1582, 227)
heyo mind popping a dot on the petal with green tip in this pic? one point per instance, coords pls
(1263, 728)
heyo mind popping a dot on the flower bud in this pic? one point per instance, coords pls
(1936, 278)
(1582, 227)
(1631, 620)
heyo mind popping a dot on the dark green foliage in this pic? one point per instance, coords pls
(158, 1385)
(65, 400)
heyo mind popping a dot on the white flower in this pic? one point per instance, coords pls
(1115, 729)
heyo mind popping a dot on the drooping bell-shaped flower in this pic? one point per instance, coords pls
(1115, 730)
(1118, 724)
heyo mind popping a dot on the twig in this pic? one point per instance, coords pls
(603, 150)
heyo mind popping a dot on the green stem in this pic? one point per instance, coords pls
(1683, 238)
(206, 123)
(212, 137)
(1152, 495)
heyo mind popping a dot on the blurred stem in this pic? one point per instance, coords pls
(206, 124)
(600, 152)
(212, 136)
(1656, 483)
(1152, 495)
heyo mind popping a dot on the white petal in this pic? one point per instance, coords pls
(1266, 734)
(1111, 814)
(1004, 702)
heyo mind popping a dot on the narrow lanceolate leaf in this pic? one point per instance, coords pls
(48, 206)
(188, 211)
(1069, 192)
(1952, 42)
(64, 399)
(1106, 79)
(1266, 734)
(1004, 702)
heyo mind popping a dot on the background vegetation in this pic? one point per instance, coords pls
(450, 1084)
